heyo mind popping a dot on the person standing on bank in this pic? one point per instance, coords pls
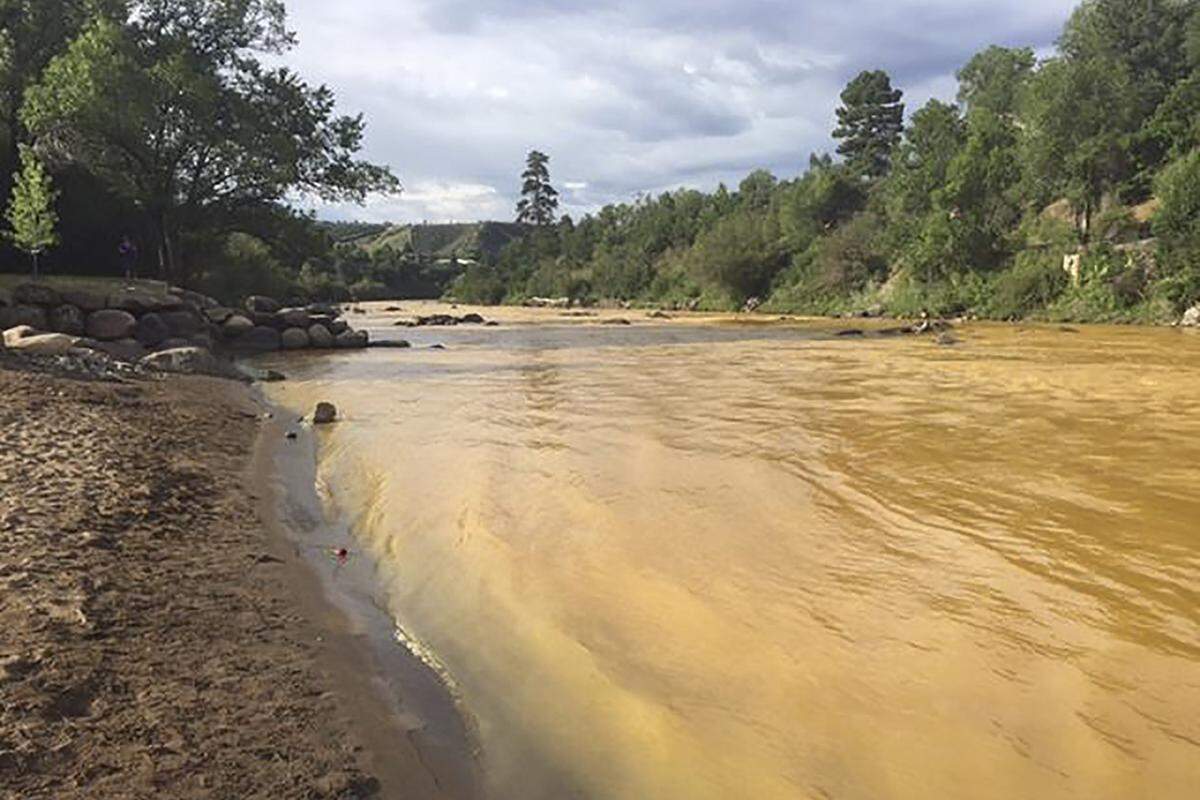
(129, 253)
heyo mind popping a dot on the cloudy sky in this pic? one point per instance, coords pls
(626, 96)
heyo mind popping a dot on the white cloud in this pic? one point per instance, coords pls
(625, 96)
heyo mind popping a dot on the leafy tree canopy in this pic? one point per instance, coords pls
(173, 108)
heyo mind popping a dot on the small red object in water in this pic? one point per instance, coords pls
(341, 554)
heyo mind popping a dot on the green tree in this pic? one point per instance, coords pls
(31, 216)
(934, 137)
(994, 78)
(539, 199)
(174, 109)
(870, 121)
(1149, 38)
(1177, 226)
(1078, 116)
(32, 32)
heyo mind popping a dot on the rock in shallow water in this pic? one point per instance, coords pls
(324, 414)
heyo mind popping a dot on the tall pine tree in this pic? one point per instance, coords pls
(539, 200)
(870, 122)
(31, 215)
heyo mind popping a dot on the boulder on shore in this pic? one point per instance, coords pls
(84, 300)
(110, 324)
(259, 339)
(1191, 317)
(324, 414)
(320, 337)
(235, 326)
(139, 301)
(67, 319)
(43, 344)
(192, 361)
(151, 330)
(294, 339)
(36, 294)
(352, 339)
(14, 316)
(294, 318)
(256, 303)
(16, 333)
(183, 323)
(128, 351)
(219, 315)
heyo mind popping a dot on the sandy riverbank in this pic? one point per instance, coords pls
(159, 636)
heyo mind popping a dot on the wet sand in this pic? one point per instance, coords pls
(160, 635)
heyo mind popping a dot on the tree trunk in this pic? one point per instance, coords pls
(166, 253)
(34, 256)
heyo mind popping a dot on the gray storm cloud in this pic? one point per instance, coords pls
(625, 97)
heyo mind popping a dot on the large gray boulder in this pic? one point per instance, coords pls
(42, 344)
(259, 304)
(294, 318)
(33, 316)
(151, 330)
(183, 323)
(126, 350)
(16, 333)
(352, 339)
(320, 337)
(219, 315)
(84, 300)
(235, 326)
(1191, 317)
(111, 324)
(324, 310)
(67, 319)
(36, 294)
(140, 301)
(192, 361)
(258, 339)
(294, 339)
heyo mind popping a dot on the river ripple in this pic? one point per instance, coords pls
(694, 559)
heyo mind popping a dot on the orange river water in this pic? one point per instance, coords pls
(701, 558)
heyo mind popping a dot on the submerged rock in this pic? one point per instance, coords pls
(325, 413)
